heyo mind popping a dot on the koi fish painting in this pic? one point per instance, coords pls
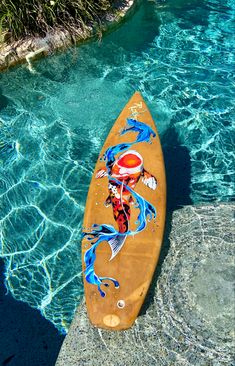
(127, 169)
(123, 168)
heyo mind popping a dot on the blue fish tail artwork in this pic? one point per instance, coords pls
(91, 277)
(123, 173)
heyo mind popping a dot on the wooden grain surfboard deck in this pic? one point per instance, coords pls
(124, 219)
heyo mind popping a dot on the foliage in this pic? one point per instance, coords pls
(32, 17)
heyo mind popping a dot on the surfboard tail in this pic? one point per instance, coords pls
(116, 243)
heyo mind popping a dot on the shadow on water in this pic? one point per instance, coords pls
(26, 338)
(178, 170)
(178, 175)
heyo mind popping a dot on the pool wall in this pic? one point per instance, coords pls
(26, 338)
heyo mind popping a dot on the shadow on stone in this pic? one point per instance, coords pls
(178, 176)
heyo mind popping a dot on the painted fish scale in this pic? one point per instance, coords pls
(134, 264)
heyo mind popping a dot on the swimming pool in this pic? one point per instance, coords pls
(179, 55)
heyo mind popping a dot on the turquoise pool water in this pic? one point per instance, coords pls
(179, 54)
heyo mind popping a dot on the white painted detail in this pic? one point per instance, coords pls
(114, 190)
(150, 182)
(101, 173)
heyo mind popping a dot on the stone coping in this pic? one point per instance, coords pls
(27, 49)
(187, 318)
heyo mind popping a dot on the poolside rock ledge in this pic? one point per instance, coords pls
(187, 318)
(27, 49)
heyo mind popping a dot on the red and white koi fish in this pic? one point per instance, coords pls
(127, 170)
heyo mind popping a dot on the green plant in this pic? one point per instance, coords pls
(37, 17)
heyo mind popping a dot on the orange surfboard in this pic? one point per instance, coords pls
(124, 219)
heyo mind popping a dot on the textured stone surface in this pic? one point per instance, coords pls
(17, 52)
(188, 316)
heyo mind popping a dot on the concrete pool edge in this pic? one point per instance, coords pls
(27, 49)
(176, 325)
